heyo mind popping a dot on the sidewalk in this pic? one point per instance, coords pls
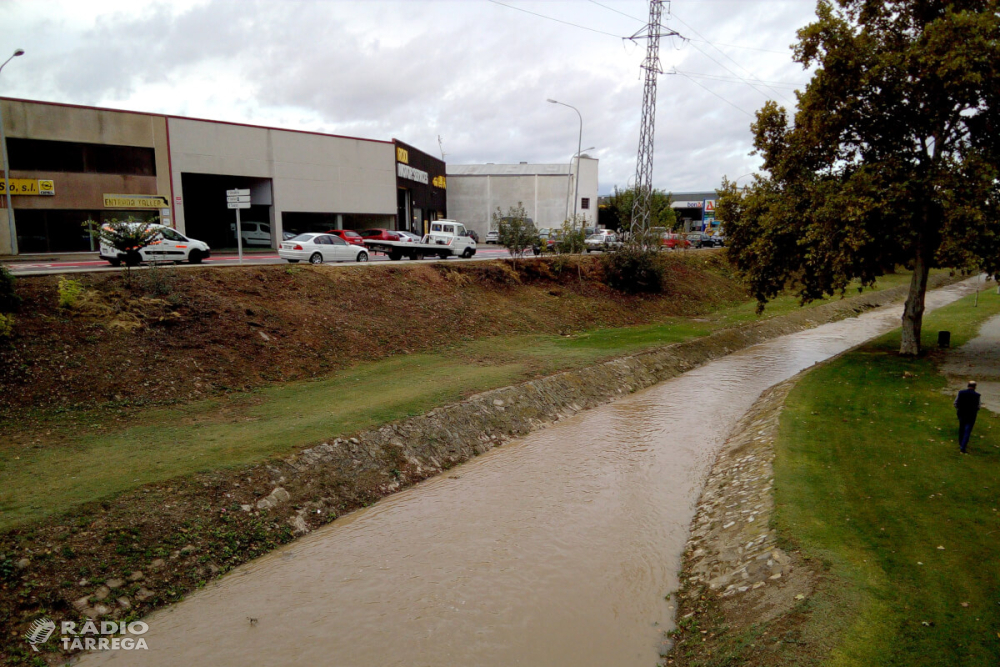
(978, 360)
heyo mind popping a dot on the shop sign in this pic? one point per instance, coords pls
(439, 182)
(28, 186)
(685, 204)
(709, 206)
(135, 201)
(408, 172)
(402, 155)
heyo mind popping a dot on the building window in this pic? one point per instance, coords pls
(585, 203)
(81, 158)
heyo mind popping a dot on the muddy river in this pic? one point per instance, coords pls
(556, 549)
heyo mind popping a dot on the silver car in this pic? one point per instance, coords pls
(319, 248)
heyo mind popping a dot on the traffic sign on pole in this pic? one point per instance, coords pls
(236, 193)
(234, 204)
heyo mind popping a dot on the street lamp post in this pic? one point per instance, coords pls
(6, 168)
(579, 143)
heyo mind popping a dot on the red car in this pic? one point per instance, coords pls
(673, 241)
(348, 235)
(379, 235)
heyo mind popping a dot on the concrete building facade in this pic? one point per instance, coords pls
(71, 164)
(545, 190)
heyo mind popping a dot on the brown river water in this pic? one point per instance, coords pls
(555, 549)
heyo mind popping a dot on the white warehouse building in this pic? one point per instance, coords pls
(545, 190)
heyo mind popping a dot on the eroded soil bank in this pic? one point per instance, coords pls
(127, 555)
(176, 336)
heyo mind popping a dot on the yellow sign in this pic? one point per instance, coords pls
(28, 186)
(439, 182)
(402, 155)
(135, 201)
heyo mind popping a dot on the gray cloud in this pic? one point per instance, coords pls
(470, 71)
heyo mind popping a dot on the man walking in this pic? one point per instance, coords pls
(967, 405)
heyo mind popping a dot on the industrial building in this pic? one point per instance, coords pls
(545, 190)
(72, 164)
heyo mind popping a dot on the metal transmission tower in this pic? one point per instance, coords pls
(644, 162)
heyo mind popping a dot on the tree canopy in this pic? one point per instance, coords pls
(892, 158)
(620, 207)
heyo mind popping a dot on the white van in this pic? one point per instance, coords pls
(254, 233)
(169, 245)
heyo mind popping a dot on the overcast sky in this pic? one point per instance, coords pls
(475, 73)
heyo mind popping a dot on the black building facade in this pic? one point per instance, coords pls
(421, 189)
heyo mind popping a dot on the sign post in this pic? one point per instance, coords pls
(237, 199)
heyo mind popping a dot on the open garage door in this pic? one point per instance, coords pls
(207, 218)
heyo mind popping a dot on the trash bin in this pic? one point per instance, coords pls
(944, 339)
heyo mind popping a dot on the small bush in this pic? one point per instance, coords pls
(9, 300)
(6, 326)
(634, 270)
(69, 292)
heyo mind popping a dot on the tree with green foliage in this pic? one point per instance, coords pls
(620, 205)
(892, 158)
(572, 236)
(515, 231)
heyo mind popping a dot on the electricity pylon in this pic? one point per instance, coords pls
(644, 162)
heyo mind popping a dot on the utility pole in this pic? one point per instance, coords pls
(441, 146)
(644, 162)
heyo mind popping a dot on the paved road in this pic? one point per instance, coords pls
(91, 265)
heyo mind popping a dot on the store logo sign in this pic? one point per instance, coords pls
(28, 186)
(135, 201)
(408, 172)
(439, 182)
(402, 155)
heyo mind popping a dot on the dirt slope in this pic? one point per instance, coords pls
(181, 335)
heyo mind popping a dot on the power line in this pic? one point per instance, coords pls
(730, 59)
(703, 41)
(731, 79)
(738, 46)
(742, 111)
(550, 18)
(634, 18)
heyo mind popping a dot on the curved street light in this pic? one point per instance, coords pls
(6, 168)
(579, 143)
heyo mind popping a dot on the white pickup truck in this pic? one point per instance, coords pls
(447, 238)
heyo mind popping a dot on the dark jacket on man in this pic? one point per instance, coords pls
(967, 405)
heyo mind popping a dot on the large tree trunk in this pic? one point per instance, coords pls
(913, 313)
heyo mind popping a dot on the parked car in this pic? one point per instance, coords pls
(253, 233)
(719, 239)
(493, 236)
(379, 234)
(603, 242)
(409, 237)
(286, 235)
(473, 234)
(674, 241)
(700, 240)
(348, 235)
(168, 245)
(319, 248)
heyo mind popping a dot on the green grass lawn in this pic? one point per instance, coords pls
(84, 455)
(869, 479)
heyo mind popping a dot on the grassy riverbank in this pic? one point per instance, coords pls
(869, 480)
(892, 533)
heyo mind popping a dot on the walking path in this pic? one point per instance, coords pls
(978, 360)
